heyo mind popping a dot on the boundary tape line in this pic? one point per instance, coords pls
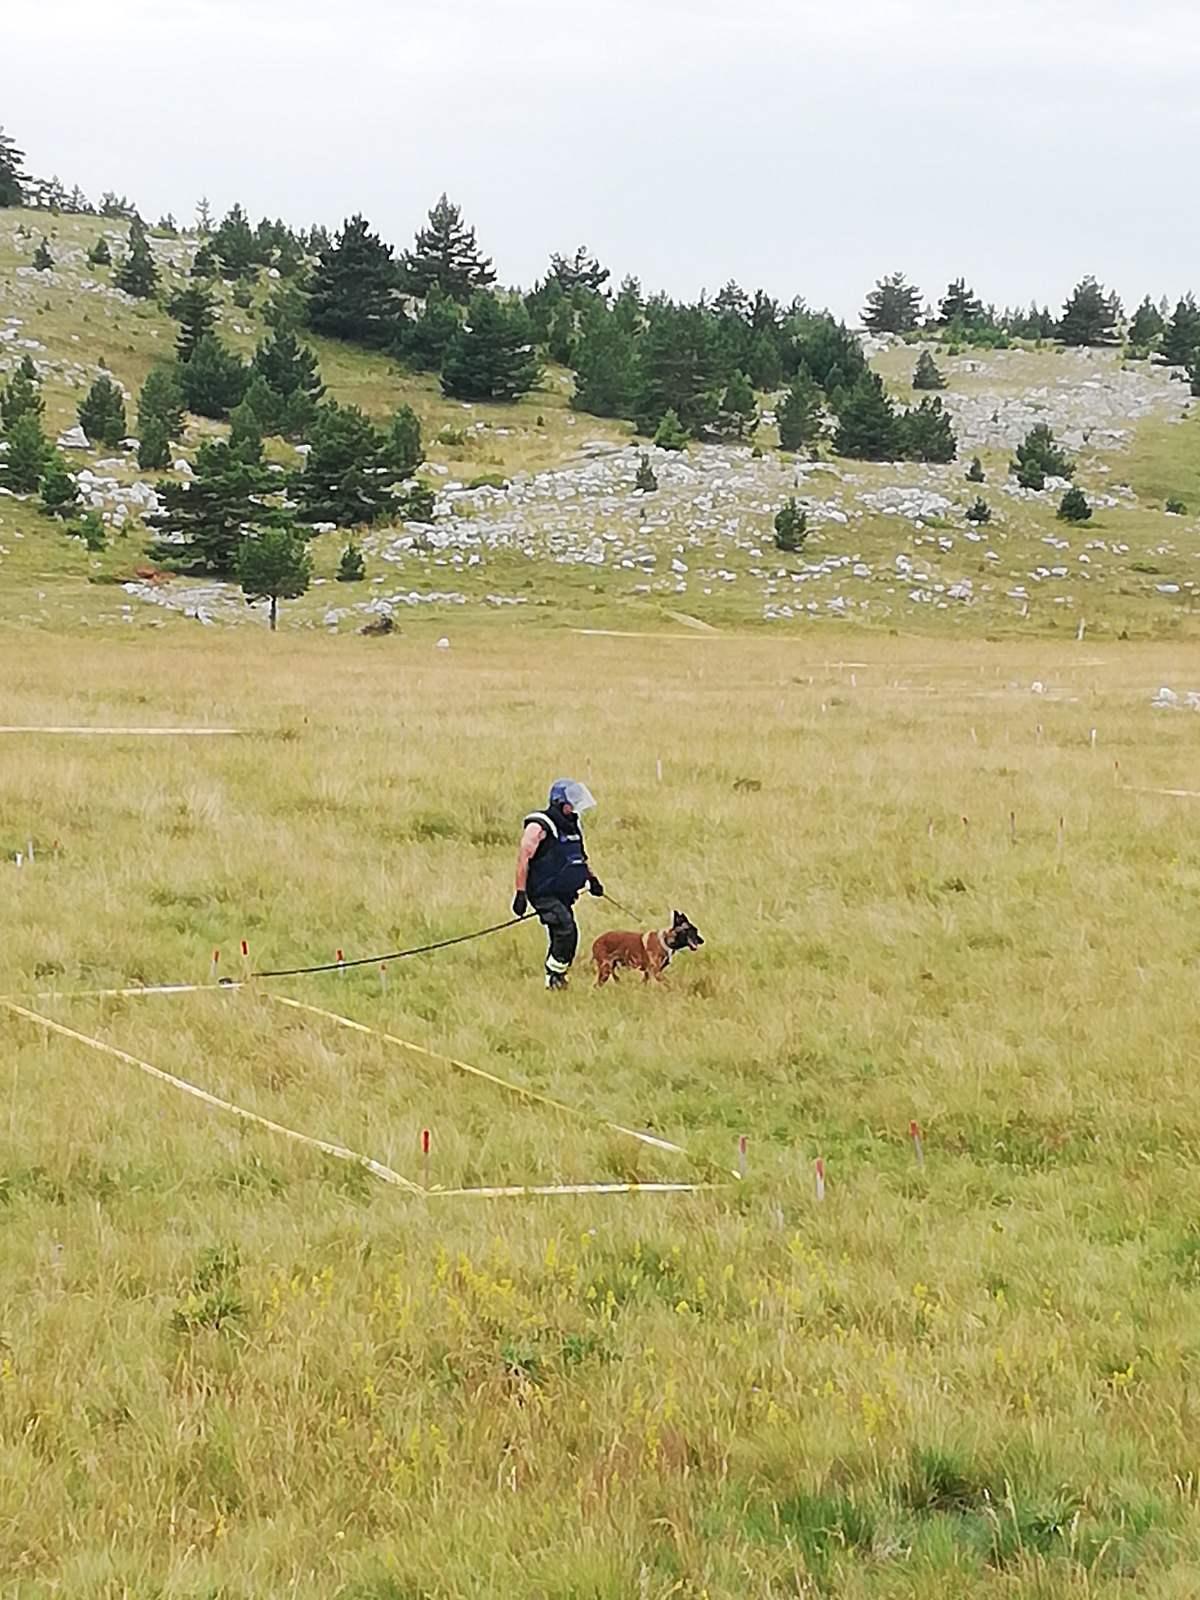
(354, 1157)
(533, 1095)
(140, 733)
(340, 1151)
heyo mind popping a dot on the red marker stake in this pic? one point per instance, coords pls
(245, 959)
(341, 961)
(214, 965)
(383, 977)
(820, 1172)
(425, 1157)
(914, 1133)
(742, 1143)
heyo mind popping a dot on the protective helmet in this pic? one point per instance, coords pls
(573, 793)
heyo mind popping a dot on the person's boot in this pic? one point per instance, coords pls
(556, 980)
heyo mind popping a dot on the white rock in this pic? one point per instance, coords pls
(443, 644)
(73, 439)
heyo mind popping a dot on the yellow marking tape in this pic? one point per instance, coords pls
(138, 732)
(126, 994)
(478, 1072)
(522, 1189)
(340, 1151)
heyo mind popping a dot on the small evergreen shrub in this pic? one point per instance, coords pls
(791, 527)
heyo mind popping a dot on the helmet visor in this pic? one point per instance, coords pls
(576, 795)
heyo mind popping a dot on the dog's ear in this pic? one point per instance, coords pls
(678, 920)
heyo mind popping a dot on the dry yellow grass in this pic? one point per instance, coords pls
(230, 1366)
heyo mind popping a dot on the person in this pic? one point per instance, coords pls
(553, 870)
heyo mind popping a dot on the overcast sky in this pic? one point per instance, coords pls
(804, 145)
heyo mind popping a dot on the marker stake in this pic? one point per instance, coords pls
(742, 1164)
(29, 851)
(425, 1157)
(914, 1133)
(1061, 826)
(1093, 738)
(383, 977)
(658, 769)
(820, 1177)
(214, 966)
(341, 961)
(245, 959)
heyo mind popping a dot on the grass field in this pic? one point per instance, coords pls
(232, 1366)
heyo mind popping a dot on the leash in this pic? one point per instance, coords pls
(624, 910)
(392, 955)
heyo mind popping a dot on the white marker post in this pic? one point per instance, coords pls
(214, 966)
(742, 1163)
(383, 977)
(820, 1177)
(1094, 732)
(658, 769)
(29, 851)
(1012, 827)
(20, 859)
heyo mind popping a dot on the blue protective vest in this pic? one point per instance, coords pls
(559, 866)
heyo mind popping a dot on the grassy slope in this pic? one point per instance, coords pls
(46, 577)
(231, 1366)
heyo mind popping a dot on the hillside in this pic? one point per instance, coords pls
(537, 513)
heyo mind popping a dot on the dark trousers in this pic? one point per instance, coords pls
(558, 919)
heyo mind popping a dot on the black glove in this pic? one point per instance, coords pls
(595, 886)
(520, 903)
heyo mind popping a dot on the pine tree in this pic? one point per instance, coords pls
(200, 521)
(348, 475)
(214, 380)
(407, 453)
(353, 293)
(42, 259)
(975, 473)
(203, 217)
(351, 568)
(604, 365)
(22, 396)
(800, 414)
(195, 310)
(100, 255)
(445, 253)
(1181, 341)
(960, 306)
(738, 415)
(580, 271)
(791, 527)
(418, 504)
(1073, 507)
(1039, 453)
(924, 433)
(273, 564)
(161, 401)
(60, 493)
(893, 305)
(644, 478)
(423, 343)
(927, 375)
(670, 433)
(291, 371)
(678, 368)
(22, 465)
(979, 511)
(168, 226)
(154, 444)
(829, 353)
(12, 175)
(137, 275)
(90, 528)
(764, 364)
(102, 412)
(867, 423)
(1147, 326)
(235, 246)
(246, 432)
(491, 356)
(205, 263)
(1089, 316)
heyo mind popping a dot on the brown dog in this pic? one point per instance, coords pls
(650, 953)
